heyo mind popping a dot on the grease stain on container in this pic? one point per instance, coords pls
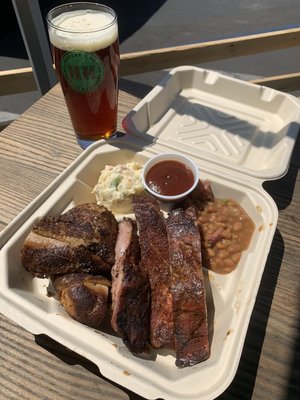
(259, 209)
(228, 333)
(261, 228)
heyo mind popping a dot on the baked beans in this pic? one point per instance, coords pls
(226, 231)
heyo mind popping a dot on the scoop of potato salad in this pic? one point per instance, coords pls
(116, 185)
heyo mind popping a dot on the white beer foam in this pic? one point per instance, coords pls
(83, 30)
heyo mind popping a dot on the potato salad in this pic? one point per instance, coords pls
(116, 185)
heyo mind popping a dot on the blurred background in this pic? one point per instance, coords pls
(150, 24)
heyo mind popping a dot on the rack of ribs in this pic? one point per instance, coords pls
(187, 288)
(155, 260)
(130, 290)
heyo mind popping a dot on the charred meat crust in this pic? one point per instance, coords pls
(199, 196)
(130, 290)
(187, 287)
(43, 262)
(155, 260)
(80, 240)
(84, 297)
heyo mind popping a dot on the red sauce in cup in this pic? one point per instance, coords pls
(170, 178)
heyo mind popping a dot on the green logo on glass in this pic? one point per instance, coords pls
(84, 71)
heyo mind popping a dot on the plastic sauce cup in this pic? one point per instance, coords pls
(170, 157)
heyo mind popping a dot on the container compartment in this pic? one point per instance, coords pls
(230, 297)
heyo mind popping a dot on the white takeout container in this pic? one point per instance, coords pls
(239, 135)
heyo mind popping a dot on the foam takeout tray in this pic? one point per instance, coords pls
(239, 135)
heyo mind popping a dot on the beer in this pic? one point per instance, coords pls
(85, 48)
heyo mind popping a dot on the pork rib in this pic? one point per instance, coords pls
(130, 290)
(187, 287)
(155, 260)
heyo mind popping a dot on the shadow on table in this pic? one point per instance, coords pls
(282, 189)
(242, 385)
(132, 15)
(72, 358)
(293, 390)
(139, 90)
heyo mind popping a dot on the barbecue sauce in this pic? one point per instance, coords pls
(170, 178)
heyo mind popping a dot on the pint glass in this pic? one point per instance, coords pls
(85, 48)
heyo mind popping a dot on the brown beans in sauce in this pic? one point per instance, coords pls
(227, 230)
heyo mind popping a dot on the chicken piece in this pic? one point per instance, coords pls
(80, 240)
(130, 290)
(83, 296)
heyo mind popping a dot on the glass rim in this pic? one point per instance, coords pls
(79, 6)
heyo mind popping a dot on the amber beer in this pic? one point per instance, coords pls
(85, 47)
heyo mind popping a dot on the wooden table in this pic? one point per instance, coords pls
(33, 151)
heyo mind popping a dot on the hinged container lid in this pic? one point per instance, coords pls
(244, 127)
